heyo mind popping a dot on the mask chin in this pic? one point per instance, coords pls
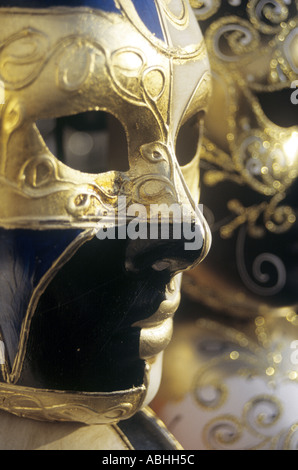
(154, 374)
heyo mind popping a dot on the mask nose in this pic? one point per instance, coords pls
(167, 255)
(174, 235)
(175, 241)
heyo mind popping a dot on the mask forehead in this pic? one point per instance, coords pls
(74, 61)
(173, 34)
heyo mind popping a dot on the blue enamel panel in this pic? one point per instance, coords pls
(107, 5)
(25, 256)
(147, 12)
(146, 9)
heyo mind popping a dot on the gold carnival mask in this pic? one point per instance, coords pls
(249, 158)
(84, 316)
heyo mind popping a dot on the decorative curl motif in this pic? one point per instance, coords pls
(266, 15)
(222, 432)
(262, 412)
(20, 69)
(228, 431)
(232, 39)
(261, 283)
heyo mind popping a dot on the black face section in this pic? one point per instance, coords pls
(81, 336)
(26, 257)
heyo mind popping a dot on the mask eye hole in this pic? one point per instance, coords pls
(90, 142)
(278, 107)
(188, 139)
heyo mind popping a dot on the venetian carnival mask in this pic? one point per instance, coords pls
(249, 158)
(85, 316)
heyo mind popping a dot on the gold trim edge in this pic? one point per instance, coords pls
(81, 407)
